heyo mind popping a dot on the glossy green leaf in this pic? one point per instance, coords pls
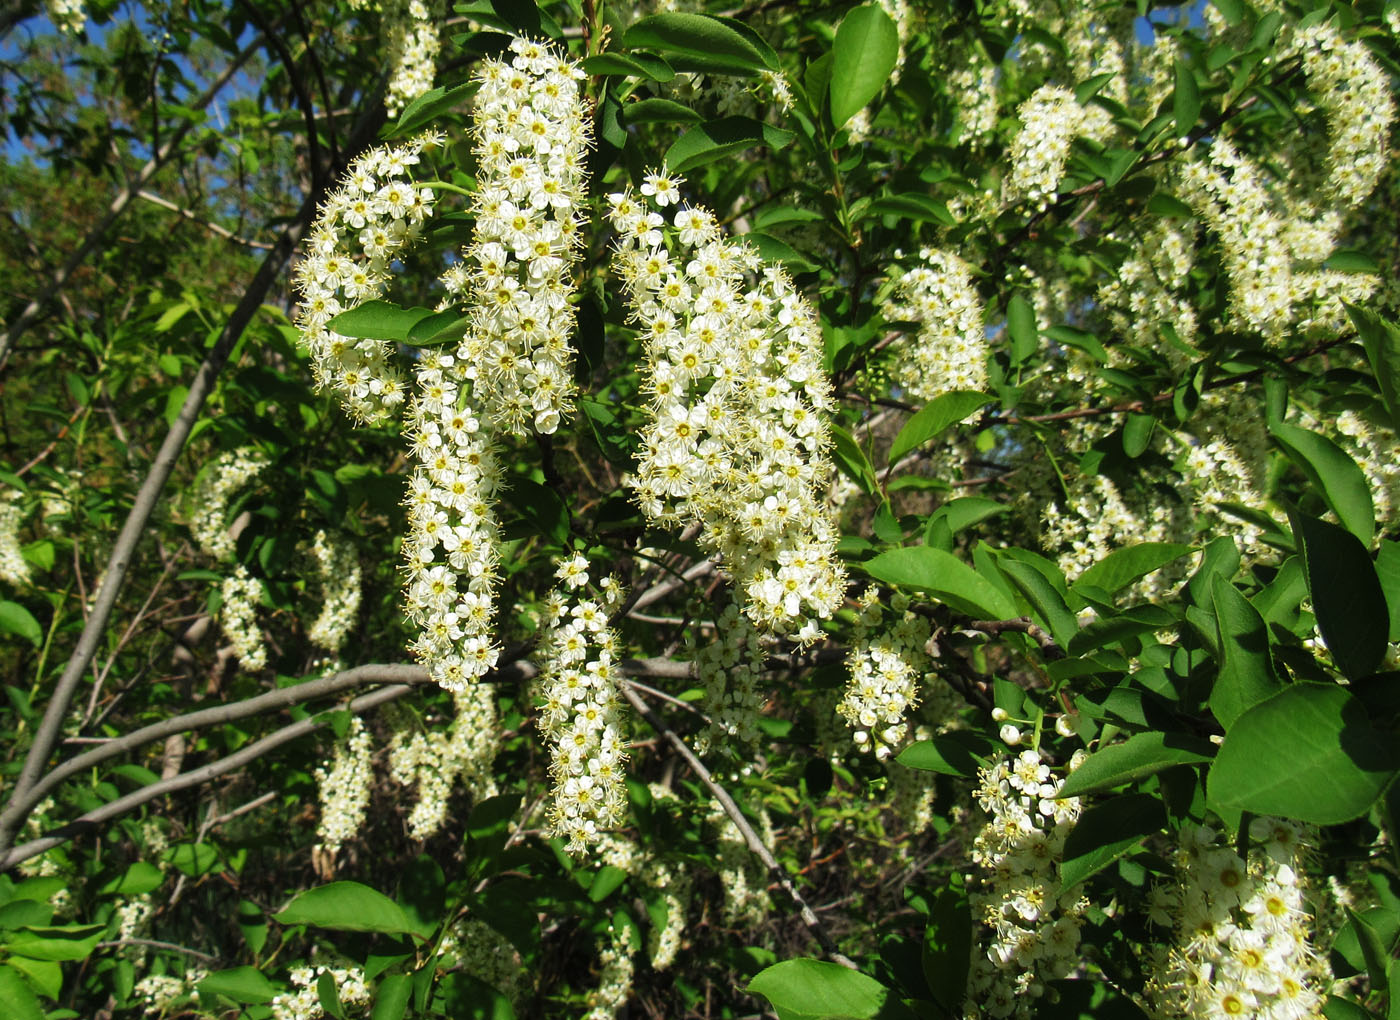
(55, 942)
(431, 106)
(605, 882)
(1021, 328)
(716, 139)
(15, 619)
(241, 984)
(1107, 831)
(140, 877)
(944, 576)
(942, 411)
(811, 989)
(659, 111)
(1140, 756)
(1246, 675)
(1333, 474)
(772, 250)
(1381, 338)
(20, 1002)
(912, 207)
(346, 906)
(956, 753)
(1048, 603)
(1347, 597)
(718, 43)
(966, 511)
(1186, 100)
(1309, 753)
(947, 949)
(1122, 567)
(378, 320)
(391, 997)
(863, 56)
(1388, 573)
(851, 459)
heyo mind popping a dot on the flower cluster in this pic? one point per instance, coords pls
(365, 224)
(1243, 945)
(740, 873)
(736, 440)
(1228, 462)
(133, 918)
(160, 992)
(729, 666)
(489, 957)
(1050, 119)
(1355, 93)
(615, 979)
(1374, 450)
(581, 715)
(450, 553)
(14, 569)
(345, 787)
(411, 31)
(531, 135)
(68, 16)
(1031, 923)
(887, 666)
(1145, 301)
(216, 487)
(338, 570)
(973, 87)
(672, 882)
(950, 350)
(305, 1002)
(434, 762)
(238, 616)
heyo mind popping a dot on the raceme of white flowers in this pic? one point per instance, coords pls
(578, 655)
(434, 762)
(411, 30)
(159, 993)
(1146, 295)
(949, 351)
(14, 568)
(1031, 923)
(1374, 450)
(305, 1002)
(736, 441)
(615, 975)
(888, 665)
(1050, 119)
(238, 616)
(338, 572)
(217, 485)
(344, 787)
(531, 134)
(729, 666)
(1243, 945)
(68, 16)
(367, 222)
(742, 877)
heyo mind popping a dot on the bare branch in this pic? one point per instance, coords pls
(193, 217)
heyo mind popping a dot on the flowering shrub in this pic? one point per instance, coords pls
(872, 510)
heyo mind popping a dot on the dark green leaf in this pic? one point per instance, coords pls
(1388, 573)
(946, 577)
(1048, 603)
(61, 942)
(1122, 567)
(391, 998)
(346, 906)
(241, 984)
(1137, 434)
(1347, 597)
(1186, 100)
(1246, 674)
(140, 877)
(659, 111)
(811, 989)
(851, 459)
(1020, 327)
(1381, 338)
(378, 320)
(947, 950)
(430, 106)
(966, 511)
(605, 882)
(958, 753)
(716, 139)
(912, 207)
(941, 412)
(718, 43)
(1309, 753)
(1107, 831)
(773, 250)
(1138, 757)
(864, 53)
(15, 619)
(1333, 474)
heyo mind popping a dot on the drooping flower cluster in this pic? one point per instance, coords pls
(68, 16)
(344, 787)
(450, 553)
(1227, 462)
(365, 224)
(973, 88)
(1148, 298)
(1355, 93)
(434, 762)
(305, 1002)
(338, 570)
(741, 874)
(158, 993)
(582, 707)
(672, 882)
(489, 957)
(888, 665)
(1050, 119)
(531, 135)
(217, 485)
(729, 665)
(238, 616)
(1031, 924)
(14, 569)
(950, 350)
(1243, 945)
(1374, 450)
(413, 41)
(615, 974)
(736, 442)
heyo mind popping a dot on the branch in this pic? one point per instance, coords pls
(124, 549)
(213, 228)
(756, 845)
(119, 204)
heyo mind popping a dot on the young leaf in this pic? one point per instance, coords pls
(1246, 674)
(346, 906)
(1347, 597)
(807, 989)
(1333, 474)
(1309, 753)
(1138, 757)
(864, 54)
(946, 577)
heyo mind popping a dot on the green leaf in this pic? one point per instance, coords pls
(773, 250)
(378, 320)
(659, 111)
(422, 894)
(912, 206)
(720, 44)
(1048, 603)
(241, 984)
(863, 56)
(947, 950)
(1373, 950)
(1344, 261)
(967, 510)
(429, 107)
(1347, 597)
(1020, 327)
(1246, 674)
(1140, 756)
(1107, 831)
(1122, 567)
(812, 989)
(851, 459)
(1309, 753)
(957, 753)
(628, 67)
(195, 859)
(391, 998)
(1186, 100)
(438, 328)
(1164, 204)
(605, 882)
(20, 1002)
(1388, 573)
(44, 976)
(939, 413)
(1137, 434)
(140, 877)
(1333, 474)
(15, 619)
(329, 996)
(716, 139)
(542, 507)
(1381, 338)
(946, 577)
(63, 942)
(346, 906)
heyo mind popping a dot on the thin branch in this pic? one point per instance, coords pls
(157, 944)
(755, 844)
(193, 217)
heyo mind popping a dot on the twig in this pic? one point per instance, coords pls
(157, 944)
(190, 215)
(755, 844)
